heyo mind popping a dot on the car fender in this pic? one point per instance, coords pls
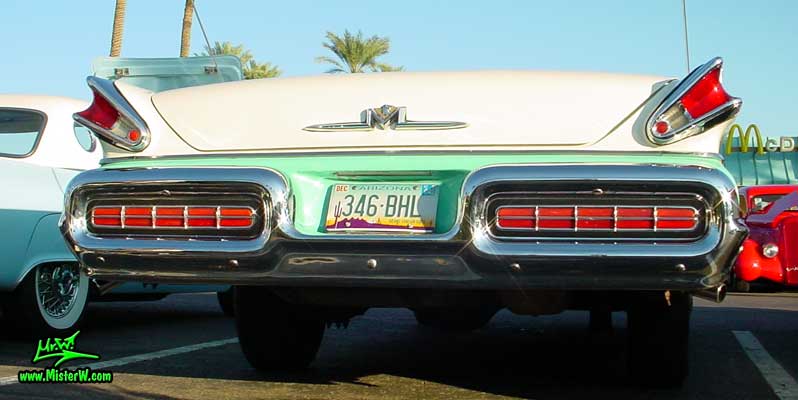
(752, 265)
(46, 245)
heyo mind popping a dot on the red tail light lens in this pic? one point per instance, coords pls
(555, 218)
(100, 112)
(110, 217)
(172, 217)
(138, 216)
(707, 95)
(201, 217)
(597, 218)
(169, 217)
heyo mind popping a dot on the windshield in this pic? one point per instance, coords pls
(759, 204)
(159, 74)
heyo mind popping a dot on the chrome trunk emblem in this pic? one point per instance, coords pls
(383, 118)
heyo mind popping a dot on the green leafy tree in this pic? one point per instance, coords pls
(251, 68)
(356, 54)
(254, 70)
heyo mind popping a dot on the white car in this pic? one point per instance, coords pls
(42, 288)
(41, 150)
(454, 194)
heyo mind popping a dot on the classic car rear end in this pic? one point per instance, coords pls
(534, 191)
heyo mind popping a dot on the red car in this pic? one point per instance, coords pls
(771, 251)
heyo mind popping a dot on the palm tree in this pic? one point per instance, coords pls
(185, 37)
(254, 70)
(228, 49)
(356, 54)
(251, 68)
(119, 24)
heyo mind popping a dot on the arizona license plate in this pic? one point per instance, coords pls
(382, 207)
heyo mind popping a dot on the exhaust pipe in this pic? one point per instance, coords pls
(716, 294)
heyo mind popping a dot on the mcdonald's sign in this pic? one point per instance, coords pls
(782, 144)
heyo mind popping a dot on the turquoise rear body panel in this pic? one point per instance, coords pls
(310, 177)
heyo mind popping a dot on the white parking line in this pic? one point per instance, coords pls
(10, 380)
(779, 379)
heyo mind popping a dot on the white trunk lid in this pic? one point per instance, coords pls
(501, 108)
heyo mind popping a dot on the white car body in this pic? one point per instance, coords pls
(32, 203)
(58, 147)
(454, 194)
(526, 111)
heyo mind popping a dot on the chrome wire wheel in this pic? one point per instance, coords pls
(49, 301)
(58, 289)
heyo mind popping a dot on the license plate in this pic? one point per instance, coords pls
(382, 207)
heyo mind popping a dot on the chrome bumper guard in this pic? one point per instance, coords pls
(467, 256)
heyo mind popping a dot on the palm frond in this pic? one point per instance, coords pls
(357, 53)
(329, 60)
(250, 68)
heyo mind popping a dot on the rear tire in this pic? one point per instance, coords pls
(275, 335)
(600, 320)
(658, 339)
(49, 302)
(454, 320)
(226, 302)
(735, 284)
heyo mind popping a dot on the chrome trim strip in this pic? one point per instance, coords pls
(202, 156)
(697, 125)
(108, 90)
(382, 118)
(656, 218)
(471, 228)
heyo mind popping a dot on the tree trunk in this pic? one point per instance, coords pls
(185, 38)
(119, 24)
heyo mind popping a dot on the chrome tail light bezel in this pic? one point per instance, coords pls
(693, 126)
(701, 194)
(616, 201)
(108, 91)
(267, 186)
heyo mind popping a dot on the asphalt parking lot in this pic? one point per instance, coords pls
(183, 347)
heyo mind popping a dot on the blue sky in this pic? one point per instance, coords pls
(48, 49)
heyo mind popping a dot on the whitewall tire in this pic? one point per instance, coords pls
(50, 301)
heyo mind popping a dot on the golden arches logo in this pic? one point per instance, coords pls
(745, 138)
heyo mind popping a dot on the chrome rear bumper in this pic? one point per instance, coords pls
(467, 256)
